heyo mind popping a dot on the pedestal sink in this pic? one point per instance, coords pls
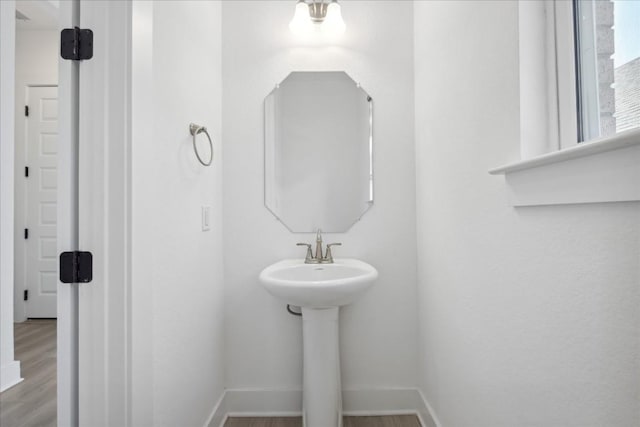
(320, 289)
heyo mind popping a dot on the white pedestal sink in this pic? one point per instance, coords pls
(320, 289)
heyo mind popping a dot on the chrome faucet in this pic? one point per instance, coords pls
(310, 258)
(319, 244)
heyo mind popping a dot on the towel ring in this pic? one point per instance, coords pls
(195, 130)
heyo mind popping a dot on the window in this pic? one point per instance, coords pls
(607, 55)
(579, 81)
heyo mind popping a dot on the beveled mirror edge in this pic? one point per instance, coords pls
(371, 154)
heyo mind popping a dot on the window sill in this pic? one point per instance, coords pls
(605, 170)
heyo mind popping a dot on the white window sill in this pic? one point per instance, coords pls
(606, 170)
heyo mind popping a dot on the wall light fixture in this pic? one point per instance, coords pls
(321, 16)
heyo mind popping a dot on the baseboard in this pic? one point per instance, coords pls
(263, 402)
(429, 417)
(9, 375)
(218, 414)
(356, 402)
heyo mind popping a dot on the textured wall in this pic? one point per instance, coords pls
(378, 333)
(528, 316)
(177, 75)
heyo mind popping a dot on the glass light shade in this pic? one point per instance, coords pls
(333, 23)
(301, 22)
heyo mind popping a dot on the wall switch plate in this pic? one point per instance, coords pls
(206, 218)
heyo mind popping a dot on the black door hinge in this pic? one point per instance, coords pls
(76, 267)
(26, 110)
(26, 171)
(76, 44)
(26, 295)
(26, 233)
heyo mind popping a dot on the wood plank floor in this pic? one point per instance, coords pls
(386, 421)
(32, 402)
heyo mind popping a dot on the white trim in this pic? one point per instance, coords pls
(589, 85)
(218, 415)
(548, 117)
(263, 402)
(621, 140)
(288, 402)
(10, 375)
(104, 308)
(9, 367)
(382, 401)
(596, 172)
(565, 75)
(430, 412)
(538, 106)
(141, 314)
(67, 231)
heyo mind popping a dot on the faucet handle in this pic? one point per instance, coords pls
(328, 256)
(309, 255)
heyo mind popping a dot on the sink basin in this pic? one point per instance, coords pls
(318, 285)
(320, 289)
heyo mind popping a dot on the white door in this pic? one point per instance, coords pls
(41, 201)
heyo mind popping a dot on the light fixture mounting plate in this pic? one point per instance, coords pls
(318, 10)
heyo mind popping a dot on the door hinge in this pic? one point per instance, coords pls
(76, 44)
(26, 295)
(26, 233)
(76, 267)
(26, 171)
(26, 110)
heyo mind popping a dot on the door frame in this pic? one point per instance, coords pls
(100, 313)
(97, 355)
(114, 356)
(67, 324)
(97, 173)
(9, 367)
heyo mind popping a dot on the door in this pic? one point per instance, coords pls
(41, 138)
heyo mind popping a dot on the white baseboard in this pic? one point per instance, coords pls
(218, 414)
(10, 375)
(429, 414)
(274, 403)
(263, 402)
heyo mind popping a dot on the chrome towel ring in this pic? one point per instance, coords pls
(195, 130)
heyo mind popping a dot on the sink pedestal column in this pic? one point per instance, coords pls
(322, 391)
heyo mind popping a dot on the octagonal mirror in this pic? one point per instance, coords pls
(318, 151)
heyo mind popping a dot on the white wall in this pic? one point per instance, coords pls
(9, 368)
(378, 333)
(177, 80)
(36, 64)
(529, 316)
